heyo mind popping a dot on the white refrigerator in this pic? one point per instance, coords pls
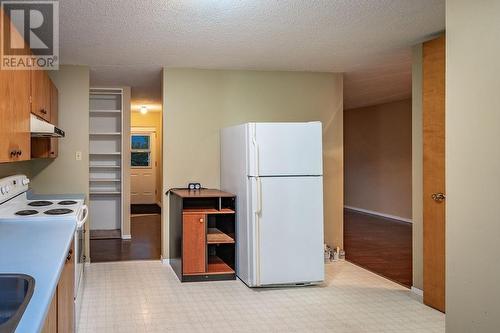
(276, 172)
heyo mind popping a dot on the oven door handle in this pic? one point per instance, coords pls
(84, 216)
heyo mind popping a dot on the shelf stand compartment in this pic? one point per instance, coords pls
(217, 266)
(215, 236)
(221, 258)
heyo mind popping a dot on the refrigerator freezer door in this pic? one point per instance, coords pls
(289, 248)
(285, 149)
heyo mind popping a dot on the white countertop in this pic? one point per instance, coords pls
(37, 248)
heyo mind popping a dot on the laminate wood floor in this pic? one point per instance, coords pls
(383, 246)
(144, 245)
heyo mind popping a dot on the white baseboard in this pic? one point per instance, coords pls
(372, 212)
(165, 261)
(126, 236)
(418, 294)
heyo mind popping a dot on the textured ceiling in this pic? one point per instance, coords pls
(128, 42)
(382, 82)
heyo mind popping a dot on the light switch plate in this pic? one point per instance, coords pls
(78, 156)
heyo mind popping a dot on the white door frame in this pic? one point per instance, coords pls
(153, 149)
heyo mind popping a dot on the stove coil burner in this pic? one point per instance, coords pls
(67, 202)
(40, 203)
(59, 211)
(27, 212)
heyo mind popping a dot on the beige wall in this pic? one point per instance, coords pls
(64, 174)
(197, 103)
(472, 166)
(377, 158)
(154, 120)
(417, 165)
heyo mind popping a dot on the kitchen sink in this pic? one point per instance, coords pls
(15, 293)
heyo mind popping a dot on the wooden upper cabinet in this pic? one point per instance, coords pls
(14, 114)
(22, 93)
(40, 94)
(194, 243)
(48, 147)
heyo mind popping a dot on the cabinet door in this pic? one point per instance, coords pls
(14, 115)
(40, 94)
(54, 119)
(66, 295)
(50, 325)
(48, 147)
(194, 249)
(14, 111)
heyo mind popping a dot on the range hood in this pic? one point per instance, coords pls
(44, 129)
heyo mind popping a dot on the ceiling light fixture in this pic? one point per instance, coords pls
(144, 109)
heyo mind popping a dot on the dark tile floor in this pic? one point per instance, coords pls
(145, 242)
(381, 245)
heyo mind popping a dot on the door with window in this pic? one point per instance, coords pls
(143, 167)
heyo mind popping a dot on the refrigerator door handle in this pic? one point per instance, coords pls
(257, 230)
(259, 196)
(257, 249)
(256, 151)
(257, 178)
(258, 211)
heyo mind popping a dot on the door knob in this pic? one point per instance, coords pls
(201, 220)
(438, 197)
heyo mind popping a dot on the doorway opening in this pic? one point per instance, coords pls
(146, 182)
(138, 165)
(378, 170)
(144, 170)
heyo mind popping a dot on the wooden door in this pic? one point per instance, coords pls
(66, 295)
(194, 248)
(40, 94)
(434, 172)
(143, 170)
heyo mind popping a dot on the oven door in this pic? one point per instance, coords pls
(80, 259)
(80, 247)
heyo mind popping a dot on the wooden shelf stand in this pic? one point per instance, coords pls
(202, 235)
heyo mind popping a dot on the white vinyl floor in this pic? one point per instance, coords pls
(146, 296)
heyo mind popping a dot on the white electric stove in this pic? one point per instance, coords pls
(17, 205)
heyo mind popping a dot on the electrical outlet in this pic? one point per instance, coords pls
(78, 156)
